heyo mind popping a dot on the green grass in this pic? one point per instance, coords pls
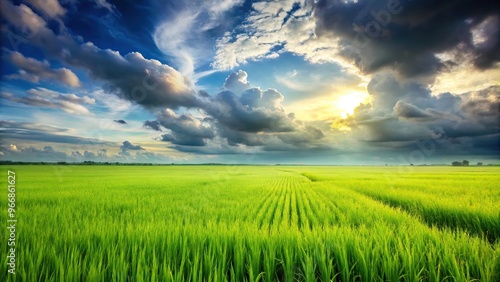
(244, 223)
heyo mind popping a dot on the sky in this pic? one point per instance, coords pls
(327, 82)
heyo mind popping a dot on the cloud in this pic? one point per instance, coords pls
(129, 146)
(252, 120)
(132, 77)
(400, 35)
(404, 114)
(271, 29)
(33, 132)
(187, 30)
(32, 126)
(105, 4)
(50, 8)
(406, 110)
(254, 111)
(152, 124)
(482, 107)
(115, 106)
(45, 98)
(24, 19)
(143, 81)
(237, 82)
(367, 36)
(184, 129)
(50, 154)
(47, 153)
(120, 121)
(32, 70)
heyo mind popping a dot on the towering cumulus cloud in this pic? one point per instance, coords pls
(411, 36)
(248, 117)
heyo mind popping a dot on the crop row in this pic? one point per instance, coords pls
(257, 224)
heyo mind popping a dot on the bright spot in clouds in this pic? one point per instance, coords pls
(345, 104)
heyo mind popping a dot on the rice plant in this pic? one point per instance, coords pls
(255, 223)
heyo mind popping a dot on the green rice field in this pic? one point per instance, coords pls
(253, 223)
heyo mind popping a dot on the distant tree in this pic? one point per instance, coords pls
(411, 164)
(479, 163)
(456, 163)
(465, 162)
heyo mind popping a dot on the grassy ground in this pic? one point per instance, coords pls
(244, 223)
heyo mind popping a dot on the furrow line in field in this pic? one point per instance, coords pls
(285, 214)
(319, 206)
(305, 202)
(435, 215)
(276, 203)
(331, 214)
(302, 213)
(335, 214)
(270, 209)
(288, 210)
(355, 209)
(311, 215)
(262, 210)
(267, 197)
(295, 215)
(278, 215)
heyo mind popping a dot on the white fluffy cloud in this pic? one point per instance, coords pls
(273, 28)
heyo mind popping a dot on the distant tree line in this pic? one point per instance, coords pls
(72, 163)
(464, 163)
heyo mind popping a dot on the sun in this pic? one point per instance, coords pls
(346, 103)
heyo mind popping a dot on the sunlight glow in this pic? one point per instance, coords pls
(345, 104)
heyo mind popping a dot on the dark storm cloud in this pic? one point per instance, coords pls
(254, 111)
(152, 124)
(483, 106)
(184, 129)
(234, 137)
(406, 35)
(387, 90)
(254, 118)
(303, 137)
(220, 149)
(129, 146)
(143, 81)
(120, 121)
(403, 114)
(132, 77)
(406, 110)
